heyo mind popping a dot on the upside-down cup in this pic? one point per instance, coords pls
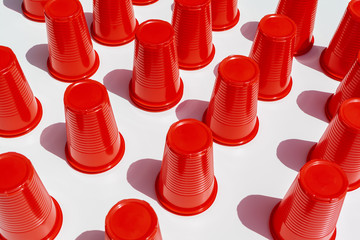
(225, 14)
(156, 83)
(71, 53)
(186, 184)
(232, 111)
(34, 9)
(340, 142)
(143, 2)
(192, 23)
(132, 219)
(273, 50)
(337, 59)
(94, 143)
(311, 207)
(20, 111)
(114, 22)
(348, 88)
(303, 13)
(27, 211)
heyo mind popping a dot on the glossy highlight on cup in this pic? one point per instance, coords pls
(340, 142)
(192, 24)
(232, 111)
(311, 207)
(71, 53)
(27, 211)
(20, 111)
(114, 22)
(186, 184)
(225, 14)
(94, 144)
(303, 13)
(337, 59)
(34, 9)
(132, 219)
(273, 50)
(156, 84)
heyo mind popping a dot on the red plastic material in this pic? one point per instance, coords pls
(143, 2)
(225, 14)
(94, 143)
(193, 33)
(20, 111)
(156, 83)
(273, 50)
(232, 111)
(27, 211)
(337, 59)
(348, 88)
(186, 184)
(303, 13)
(71, 53)
(311, 207)
(132, 219)
(34, 9)
(114, 22)
(340, 142)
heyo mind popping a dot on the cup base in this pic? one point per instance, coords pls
(327, 70)
(120, 42)
(143, 2)
(153, 107)
(228, 25)
(306, 49)
(32, 16)
(353, 186)
(329, 114)
(278, 96)
(65, 78)
(31, 126)
(94, 170)
(58, 222)
(185, 211)
(197, 66)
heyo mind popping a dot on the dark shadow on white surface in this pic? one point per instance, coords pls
(248, 30)
(293, 153)
(117, 82)
(254, 213)
(92, 235)
(142, 176)
(311, 58)
(216, 69)
(38, 55)
(172, 6)
(191, 108)
(313, 103)
(88, 18)
(14, 5)
(53, 139)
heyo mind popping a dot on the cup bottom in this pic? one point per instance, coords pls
(143, 2)
(327, 70)
(197, 66)
(278, 96)
(32, 16)
(227, 25)
(304, 50)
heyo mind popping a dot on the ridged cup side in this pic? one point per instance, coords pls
(225, 14)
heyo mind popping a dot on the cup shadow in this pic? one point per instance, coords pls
(142, 176)
(89, 19)
(293, 153)
(313, 103)
(191, 108)
(248, 30)
(14, 5)
(117, 82)
(92, 235)
(254, 213)
(53, 139)
(38, 55)
(311, 59)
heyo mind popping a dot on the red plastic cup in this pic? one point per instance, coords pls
(71, 53)
(348, 88)
(232, 111)
(337, 59)
(340, 142)
(156, 83)
(303, 13)
(186, 184)
(94, 143)
(34, 9)
(20, 111)
(193, 33)
(143, 2)
(311, 207)
(27, 211)
(273, 50)
(132, 219)
(225, 14)
(114, 22)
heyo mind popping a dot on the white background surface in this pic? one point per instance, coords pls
(252, 178)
